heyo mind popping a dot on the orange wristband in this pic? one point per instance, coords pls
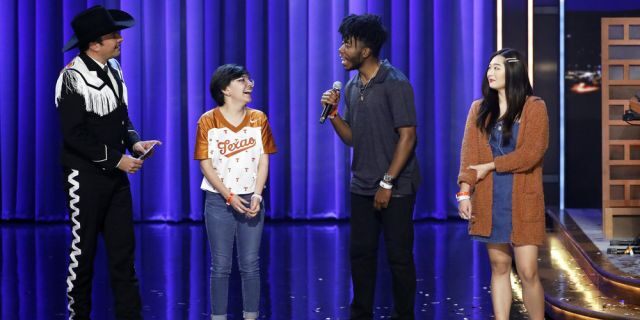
(463, 195)
(229, 198)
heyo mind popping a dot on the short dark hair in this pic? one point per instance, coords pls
(84, 46)
(221, 79)
(367, 28)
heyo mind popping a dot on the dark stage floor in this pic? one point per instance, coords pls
(305, 273)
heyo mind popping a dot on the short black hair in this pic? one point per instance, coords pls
(367, 28)
(84, 46)
(221, 79)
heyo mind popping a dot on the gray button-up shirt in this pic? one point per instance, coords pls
(374, 112)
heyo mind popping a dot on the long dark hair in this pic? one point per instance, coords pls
(517, 89)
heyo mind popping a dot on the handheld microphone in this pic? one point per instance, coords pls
(327, 107)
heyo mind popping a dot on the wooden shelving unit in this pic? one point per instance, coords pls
(620, 140)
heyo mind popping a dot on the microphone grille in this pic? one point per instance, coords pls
(337, 85)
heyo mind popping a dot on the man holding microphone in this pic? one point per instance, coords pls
(379, 122)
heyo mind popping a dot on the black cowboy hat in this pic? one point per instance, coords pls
(97, 21)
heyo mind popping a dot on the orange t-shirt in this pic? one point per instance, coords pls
(234, 151)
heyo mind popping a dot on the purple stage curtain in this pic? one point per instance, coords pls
(290, 48)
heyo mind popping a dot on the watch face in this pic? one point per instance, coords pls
(387, 178)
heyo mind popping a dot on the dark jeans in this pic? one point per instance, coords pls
(396, 224)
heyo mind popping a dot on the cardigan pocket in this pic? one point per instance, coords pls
(533, 208)
(532, 183)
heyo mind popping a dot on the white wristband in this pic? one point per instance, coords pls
(460, 198)
(257, 196)
(386, 185)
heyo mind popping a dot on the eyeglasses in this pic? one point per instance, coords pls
(247, 81)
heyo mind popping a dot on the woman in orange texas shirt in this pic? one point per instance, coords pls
(233, 144)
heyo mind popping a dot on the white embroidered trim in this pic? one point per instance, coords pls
(75, 251)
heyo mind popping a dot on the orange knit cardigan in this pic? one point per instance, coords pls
(525, 162)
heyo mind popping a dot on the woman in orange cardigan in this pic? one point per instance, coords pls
(500, 179)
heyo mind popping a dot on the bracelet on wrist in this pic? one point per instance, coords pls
(385, 185)
(463, 195)
(229, 198)
(256, 196)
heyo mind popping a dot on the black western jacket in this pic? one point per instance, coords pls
(95, 123)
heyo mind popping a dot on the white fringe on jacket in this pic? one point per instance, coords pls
(77, 78)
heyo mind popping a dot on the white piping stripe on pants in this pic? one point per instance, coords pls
(74, 199)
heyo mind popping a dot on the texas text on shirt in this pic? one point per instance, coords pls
(234, 151)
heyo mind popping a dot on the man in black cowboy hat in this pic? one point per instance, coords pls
(91, 98)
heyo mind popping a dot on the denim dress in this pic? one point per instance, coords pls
(502, 188)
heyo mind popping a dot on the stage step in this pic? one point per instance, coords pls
(579, 281)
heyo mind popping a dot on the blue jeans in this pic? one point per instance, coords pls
(224, 225)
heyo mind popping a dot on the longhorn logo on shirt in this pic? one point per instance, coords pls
(228, 148)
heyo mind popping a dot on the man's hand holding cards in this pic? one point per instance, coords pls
(147, 153)
(146, 148)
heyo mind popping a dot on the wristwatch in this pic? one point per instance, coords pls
(388, 178)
